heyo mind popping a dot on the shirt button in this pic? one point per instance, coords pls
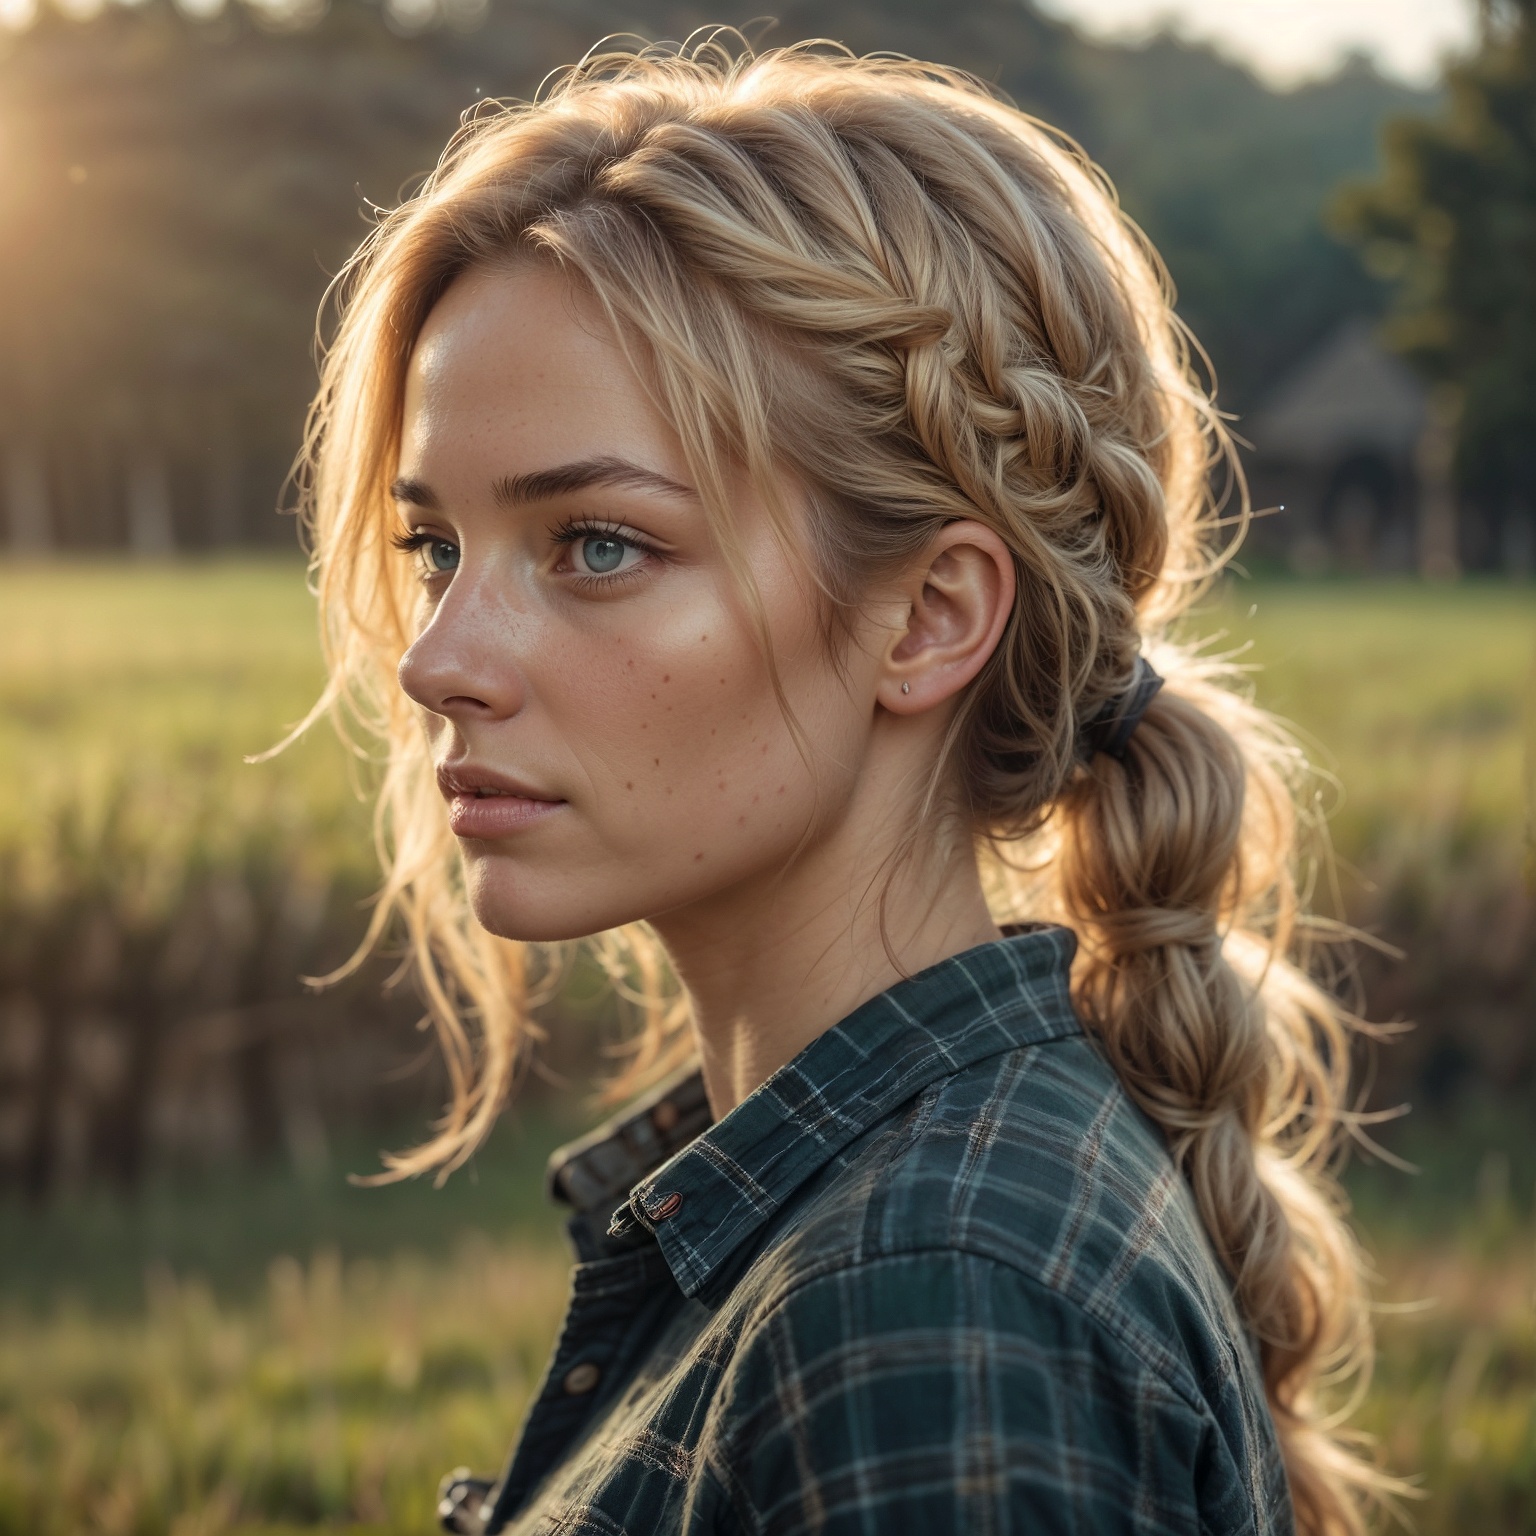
(580, 1379)
(666, 1207)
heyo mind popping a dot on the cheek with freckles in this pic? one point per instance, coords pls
(689, 751)
(699, 757)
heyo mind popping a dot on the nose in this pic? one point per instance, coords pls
(461, 665)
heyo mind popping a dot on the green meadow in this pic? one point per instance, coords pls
(157, 681)
(151, 686)
(269, 1349)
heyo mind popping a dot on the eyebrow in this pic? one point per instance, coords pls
(545, 484)
(414, 493)
(561, 480)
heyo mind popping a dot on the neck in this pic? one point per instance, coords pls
(776, 962)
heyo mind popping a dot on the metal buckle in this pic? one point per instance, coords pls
(464, 1502)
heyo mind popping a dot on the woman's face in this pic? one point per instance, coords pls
(607, 737)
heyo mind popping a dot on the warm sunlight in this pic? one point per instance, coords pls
(1291, 40)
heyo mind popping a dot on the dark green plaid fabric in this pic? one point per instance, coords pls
(937, 1275)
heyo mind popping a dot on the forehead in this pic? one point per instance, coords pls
(521, 361)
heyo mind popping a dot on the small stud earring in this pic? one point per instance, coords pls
(906, 687)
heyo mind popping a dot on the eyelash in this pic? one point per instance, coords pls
(409, 543)
(572, 531)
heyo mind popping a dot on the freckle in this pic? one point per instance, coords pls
(765, 749)
(644, 726)
(754, 799)
(666, 677)
(669, 789)
(653, 695)
(629, 786)
(722, 783)
(697, 857)
(657, 761)
(630, 662)
(781, 789)
(713, 732)
(741, 821)
(702, 638)
(722, 682)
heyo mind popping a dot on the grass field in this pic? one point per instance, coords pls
(165, 678)
(155, 684)
(270, 1356)
(1415, 698)
(274, 1351)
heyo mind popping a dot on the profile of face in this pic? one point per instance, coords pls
(603, 718)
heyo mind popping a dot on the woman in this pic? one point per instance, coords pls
(768, 477)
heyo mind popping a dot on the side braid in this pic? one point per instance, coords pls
(1243, 1066)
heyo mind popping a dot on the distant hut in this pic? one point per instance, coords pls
(1337, 444)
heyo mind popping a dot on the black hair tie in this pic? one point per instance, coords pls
(1110, 730)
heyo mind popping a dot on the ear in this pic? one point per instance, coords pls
(959, 594)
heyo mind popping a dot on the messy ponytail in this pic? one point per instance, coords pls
(872, 280)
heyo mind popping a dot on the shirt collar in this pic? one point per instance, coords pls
(706, 1201)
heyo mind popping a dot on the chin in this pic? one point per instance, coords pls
(528, 920)
(512, 903)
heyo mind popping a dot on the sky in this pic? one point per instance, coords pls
(1285, 41)
(1290, 40)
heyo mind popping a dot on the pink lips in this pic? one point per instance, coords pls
(486, 806)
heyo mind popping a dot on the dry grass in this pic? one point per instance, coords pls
(331, 1395)
(333, 1401)
(334, 1398)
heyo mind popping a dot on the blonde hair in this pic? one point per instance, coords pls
(873, 277)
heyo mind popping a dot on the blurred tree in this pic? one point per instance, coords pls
(176, 184)
(1452, 224)
(1231, 181)
(173, 197)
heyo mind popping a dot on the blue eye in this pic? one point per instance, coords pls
(434, 556)
(441, 555)
(601, 555)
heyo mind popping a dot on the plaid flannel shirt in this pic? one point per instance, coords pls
(937, 1275)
